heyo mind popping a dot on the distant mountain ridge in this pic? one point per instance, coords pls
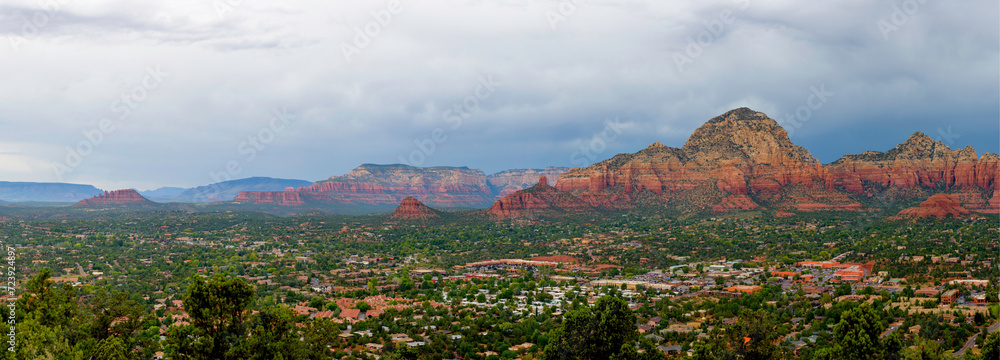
(227, 190)
(741, 160)
(385, 186)
(47, 192)
(163, 192)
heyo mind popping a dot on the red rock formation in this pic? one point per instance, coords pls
(390, 184)
(538, 200)
(783, 213)
(748, 161)
(127, 197)
(270, 198)
(939, 206)
(741, 152)
(510, 181)
(412, 209)
(736, 202)
(920, 162)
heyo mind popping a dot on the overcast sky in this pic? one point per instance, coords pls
(189, 88)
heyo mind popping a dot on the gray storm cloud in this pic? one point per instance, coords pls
(372, 81)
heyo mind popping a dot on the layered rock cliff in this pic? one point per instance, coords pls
(920, 163)
(116, 198)
(389, 184)
(280, 198)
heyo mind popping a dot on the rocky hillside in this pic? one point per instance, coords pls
(539, 200)
(412, 209)
(116, 198)
(744, 160)
(920, 163)
(939, 206)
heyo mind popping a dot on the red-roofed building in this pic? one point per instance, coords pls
(746, 289)
(949, 297)
(350, 314)
(322, 314)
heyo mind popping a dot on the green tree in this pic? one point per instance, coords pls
(857, 334)
(991, 349)
(608, 330)
(753, 336)
(272, 336)
(116, 315)
(316, 336)
(363, 306)
(843, 289)
(217, 308)
(111, 348)
(48, 319)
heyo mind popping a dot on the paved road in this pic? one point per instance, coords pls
(968, 345)
(80, 269)
(888, 331)
(972, 340)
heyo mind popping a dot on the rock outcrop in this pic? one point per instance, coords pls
(920, 163)
(939, 206)
(510, 181)
(413, 209)
(733, 162)
(378, 186)
(539, 200)
(739, 161)
(743, 160)
(116, 198)
(279, 198)
(389, 184)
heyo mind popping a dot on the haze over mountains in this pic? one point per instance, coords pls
(54, 192)
(739, 161)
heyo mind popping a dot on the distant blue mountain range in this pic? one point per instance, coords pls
(14, 192)
(223, 191)
(48, 192)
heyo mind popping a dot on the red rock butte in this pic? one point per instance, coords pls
(412, 209)
(939, 206)
(117, 197)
